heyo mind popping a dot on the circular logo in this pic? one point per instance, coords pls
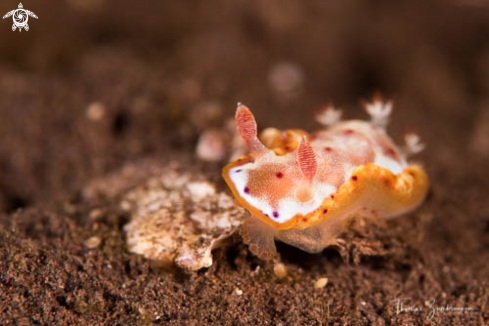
(20, 18)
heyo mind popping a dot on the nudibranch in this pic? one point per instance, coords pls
(303, 189)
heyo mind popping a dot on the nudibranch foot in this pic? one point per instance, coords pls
(260, 238)
(316, 238)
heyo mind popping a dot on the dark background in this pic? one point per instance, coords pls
(156, 65)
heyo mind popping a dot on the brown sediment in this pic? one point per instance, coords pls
(145, 67)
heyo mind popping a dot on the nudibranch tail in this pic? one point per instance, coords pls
(260, 237)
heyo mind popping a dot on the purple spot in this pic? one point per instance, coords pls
(247, 190)
(279, 175)
(349, 131)
(390, 152)
(325, 211)
(238, 171)
(328, 149)
(275, 214)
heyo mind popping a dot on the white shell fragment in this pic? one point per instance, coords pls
(179, 218)
(211, 146)
(93, 242)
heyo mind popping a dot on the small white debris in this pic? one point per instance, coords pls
(256, 271)
(238, 292)
(379, 112)
(201, 189)
(194, 260)
(286, 79)
(125, 206)
(142, 311)
(329, 116)
(280, 270)
(96, 213)
(212, 145)
(96, 111)
(321, 283)
(93, 242)
(363, 303)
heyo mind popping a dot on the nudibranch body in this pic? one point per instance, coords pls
(303, 188)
